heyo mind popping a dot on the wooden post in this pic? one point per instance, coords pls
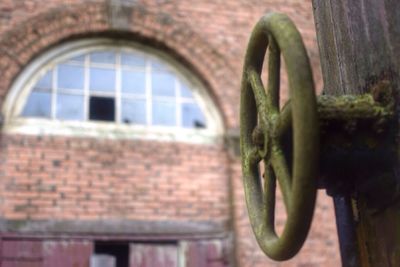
(359, 44)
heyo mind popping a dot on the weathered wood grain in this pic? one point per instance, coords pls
(359, 44)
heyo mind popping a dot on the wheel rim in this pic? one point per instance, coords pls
(262, 125)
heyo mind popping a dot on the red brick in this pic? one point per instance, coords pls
(169, 181)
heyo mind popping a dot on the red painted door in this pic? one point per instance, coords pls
(67, 253)
(204, 254)
(21, 253)
(153, 255)
(195, 254)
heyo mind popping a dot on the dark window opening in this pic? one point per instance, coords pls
(102, 108)
(199, 124)
(120, 252)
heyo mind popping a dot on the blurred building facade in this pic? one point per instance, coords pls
(119, 141)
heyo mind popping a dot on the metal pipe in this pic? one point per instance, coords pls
(346, 231)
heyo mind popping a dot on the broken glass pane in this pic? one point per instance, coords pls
(102, 108)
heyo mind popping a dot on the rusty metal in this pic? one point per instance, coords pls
(288, 141)
(261, 125)
(356, 129)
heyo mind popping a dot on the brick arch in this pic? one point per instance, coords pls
(29, 39)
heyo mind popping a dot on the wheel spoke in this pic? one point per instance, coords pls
(274, 64)
(269, 196)
(259, 94)
(280, 168)
(283, 121)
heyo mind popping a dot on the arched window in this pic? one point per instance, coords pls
(95, 83)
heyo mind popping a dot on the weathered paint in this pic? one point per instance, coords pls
(79, 253)
(151, 255)
(67, 253)
(22, 249)
(208, 253)
(23, 253)
(196, 254)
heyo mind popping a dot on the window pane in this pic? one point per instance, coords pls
(45, 82)
(103, 57)
(163, 84)
(157, 65)
(134, 111)
(133, 82)
(192, 117)
(78, 59)
(102, 79)
(69, 107)
(38, 105)
(185, 91)
(70, 77)
(164, 113)
(133, 60)
(102, 108)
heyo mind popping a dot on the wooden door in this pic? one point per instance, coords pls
(39, 253)
(208, 253)
(21, 253)
(153, 255)
(67, 253)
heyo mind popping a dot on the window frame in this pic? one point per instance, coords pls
(21, 88)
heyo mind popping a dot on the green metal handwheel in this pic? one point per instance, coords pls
(262, 128)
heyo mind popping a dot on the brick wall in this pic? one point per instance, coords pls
(88, 179)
